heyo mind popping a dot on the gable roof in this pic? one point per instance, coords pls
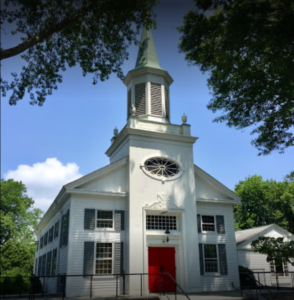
(245, 235)
(70, 188)
(228, 195)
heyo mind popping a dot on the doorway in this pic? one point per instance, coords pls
(161, 260)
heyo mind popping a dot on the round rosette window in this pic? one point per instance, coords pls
(162, 168)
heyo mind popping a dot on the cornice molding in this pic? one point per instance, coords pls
(97, 193)
(126, 132)
(148, 70)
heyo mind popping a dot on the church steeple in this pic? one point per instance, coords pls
(147, 55)
(148, 84)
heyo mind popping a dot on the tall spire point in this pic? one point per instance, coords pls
(147, 55)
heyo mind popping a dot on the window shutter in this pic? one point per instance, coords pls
(61, 233)
(119, 221)
(53, 262)
(140, 99)
(199, 223)
(67, 228)
(36, 267)
(37, 245)
(88, 257)
(118, 258)
(220, 224)
(39, 266)
(48, 264)
(43, 265)
(89, 219)
(201, 259)
(156, 102)
(129, 102)
(222, 259)
(166, 104)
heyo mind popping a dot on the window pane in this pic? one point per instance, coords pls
(207, 227)
(104, 224)
(104, 250)
(210, 251)
(208, 219)
(161, 222)
(211, 265)
(103, 266)
(104, 214)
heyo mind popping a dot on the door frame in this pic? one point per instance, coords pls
(156, 241)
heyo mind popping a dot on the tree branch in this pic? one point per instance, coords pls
(44, 34)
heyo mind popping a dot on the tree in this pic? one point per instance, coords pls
(248, 48)
(59, 34)
(264, 202)
(18, 217)
(290, 176)
(275, 248)
(16, 256)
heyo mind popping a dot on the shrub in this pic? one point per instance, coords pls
(246, 277)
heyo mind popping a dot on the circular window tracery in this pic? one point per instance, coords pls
(162, 167)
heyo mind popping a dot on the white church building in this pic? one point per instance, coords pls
(151, 210)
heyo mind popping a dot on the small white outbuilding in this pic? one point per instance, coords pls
(257, 262)
(150, 210)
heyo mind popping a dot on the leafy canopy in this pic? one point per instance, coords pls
(275, 248)
(264, 202)
(54, 35)
(248, 48)
(18, 217)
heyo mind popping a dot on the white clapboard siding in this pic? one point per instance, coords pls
(257, 263)
(80, 286)
(220, 282)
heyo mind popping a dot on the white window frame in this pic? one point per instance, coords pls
(284, 266)
(202, 223)
(112, 259)
(217, 260)
(96, 219)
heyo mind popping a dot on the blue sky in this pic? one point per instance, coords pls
(46, 147)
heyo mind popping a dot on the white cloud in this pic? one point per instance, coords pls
(44, 180)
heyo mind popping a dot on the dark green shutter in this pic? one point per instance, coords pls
(119, 220)
(48, 264)
(89, 219)
(61, 233)
(88, 257)
(54, 252)
(36, 267)
(199, 223)
(67, 228)
(220, 224)
(118, 258)
(43, 265)
(201, 262)
(222, 259)
(39, 266)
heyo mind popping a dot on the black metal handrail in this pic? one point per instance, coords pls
(32, 290)
(260, 286)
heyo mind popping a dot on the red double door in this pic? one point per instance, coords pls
(161, 260)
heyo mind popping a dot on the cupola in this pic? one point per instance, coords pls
(148, 84)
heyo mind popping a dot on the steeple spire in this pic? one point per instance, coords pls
(147, 55)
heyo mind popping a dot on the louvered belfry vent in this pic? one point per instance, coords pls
(140, 99)
(156, 104)
(129, 102)
(166, 103)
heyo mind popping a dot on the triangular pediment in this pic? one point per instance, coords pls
(111, 178)
(208, 189)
